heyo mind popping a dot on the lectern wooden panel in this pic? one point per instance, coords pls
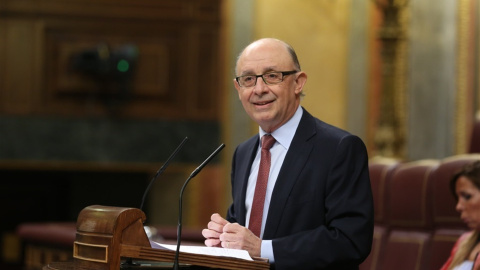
(107, 235)
(101, 232)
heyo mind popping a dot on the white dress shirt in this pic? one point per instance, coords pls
(283, 136)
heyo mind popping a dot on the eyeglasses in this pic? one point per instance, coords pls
(269, 78)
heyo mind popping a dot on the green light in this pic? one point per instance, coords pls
(123, 65)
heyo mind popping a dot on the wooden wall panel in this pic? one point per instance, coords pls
(176, 76)
(18, 64)
(156, 83)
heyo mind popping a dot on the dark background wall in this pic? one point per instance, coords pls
(94, 96)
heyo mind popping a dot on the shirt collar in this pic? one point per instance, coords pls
(284, 134)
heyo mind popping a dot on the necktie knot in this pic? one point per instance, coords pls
(267, 141)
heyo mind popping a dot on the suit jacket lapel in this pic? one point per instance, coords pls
(245, 165)
(294, 162)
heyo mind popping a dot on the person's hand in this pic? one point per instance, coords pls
(238, 237)
(214, 230)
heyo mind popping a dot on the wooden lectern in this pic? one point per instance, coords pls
(107, 235)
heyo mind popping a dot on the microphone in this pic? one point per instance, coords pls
(160, 171)
(129, 261)
(179, 228)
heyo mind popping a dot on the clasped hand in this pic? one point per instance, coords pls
(221, 233)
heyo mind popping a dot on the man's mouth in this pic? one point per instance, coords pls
(262, 103)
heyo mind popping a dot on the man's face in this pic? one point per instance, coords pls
(269, 105)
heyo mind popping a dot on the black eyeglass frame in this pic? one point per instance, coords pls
(284, 73)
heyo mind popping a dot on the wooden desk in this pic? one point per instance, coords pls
(142, 266)
(107, 235)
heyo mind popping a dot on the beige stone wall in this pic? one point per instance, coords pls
(318, 30)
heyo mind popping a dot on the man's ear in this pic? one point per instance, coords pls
(237, 86)
(300, 82)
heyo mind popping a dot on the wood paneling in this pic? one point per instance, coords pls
(176, 75)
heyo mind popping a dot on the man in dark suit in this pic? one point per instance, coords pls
(317, 210)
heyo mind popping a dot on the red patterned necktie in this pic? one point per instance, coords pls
(255, 223)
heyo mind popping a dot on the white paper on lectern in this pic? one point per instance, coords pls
(213, 251)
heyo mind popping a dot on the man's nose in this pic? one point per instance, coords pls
(260, 86)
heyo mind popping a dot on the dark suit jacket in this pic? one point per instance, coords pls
(321, 210)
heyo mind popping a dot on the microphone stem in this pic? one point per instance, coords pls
(160, 171)
(179, 228)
